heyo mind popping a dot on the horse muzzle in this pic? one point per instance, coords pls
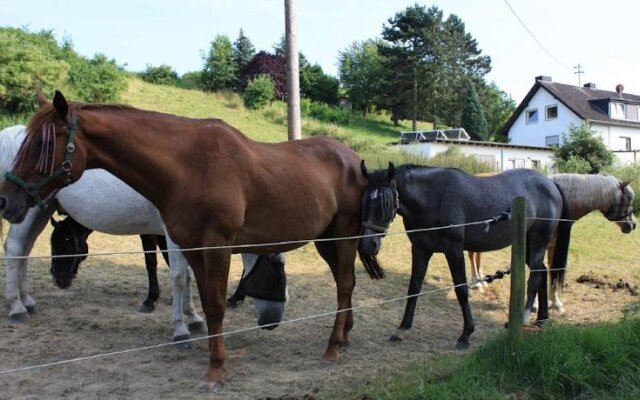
(269, 313)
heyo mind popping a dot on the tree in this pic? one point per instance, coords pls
(269, 64)
(219, 72)
(473, 120)
(498, 108)
(98, 79)
(317, 86)
(582, 151)
(243, 52)
(429, 60)
(361, 70)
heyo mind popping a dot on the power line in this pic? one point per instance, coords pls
(532, 35)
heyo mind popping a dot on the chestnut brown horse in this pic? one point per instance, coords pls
(214, 187)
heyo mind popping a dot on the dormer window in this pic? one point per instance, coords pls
(532, 116)
(617, 110)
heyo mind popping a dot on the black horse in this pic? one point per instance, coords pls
(429, 197)
(69, 237)
(263, 279)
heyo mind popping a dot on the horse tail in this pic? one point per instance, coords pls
(371, 265)
(561, 253)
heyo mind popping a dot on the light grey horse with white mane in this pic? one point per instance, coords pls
(101, 202)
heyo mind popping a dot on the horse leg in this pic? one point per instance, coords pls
(338, 256)
(238, 296)
(556, 303)
(537, 284)
(474, 260)
(194, 321)
(480, 269)
(20, 240)
(419, 264)
(149, 243)
(178, 272)
(455, 259)
(211, 270)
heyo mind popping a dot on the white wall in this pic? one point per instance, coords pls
(535, 134)
(500, 157)
(612, 136)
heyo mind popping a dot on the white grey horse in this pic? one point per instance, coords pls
(101, 202)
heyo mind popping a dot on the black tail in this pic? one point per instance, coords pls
(563, 235)
(371, 265)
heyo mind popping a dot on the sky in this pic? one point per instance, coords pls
(524, 38)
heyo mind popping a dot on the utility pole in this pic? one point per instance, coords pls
(579, 71)
(293, 70)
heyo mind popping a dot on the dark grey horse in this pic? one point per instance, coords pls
(429, 197)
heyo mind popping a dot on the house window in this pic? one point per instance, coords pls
(532, 116)
(553, 140)
(535, 164)
(551, 112)
(626, 143)
(618, 110)
(515, 163)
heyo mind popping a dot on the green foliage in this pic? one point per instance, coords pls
(317, 86)
(162, 75)
(473, 120)
(324, 112)
(582, 146)
(259, 92)
(189, 80)
(96, 80)
(243, 52)
(428, 60)
(29, 62)
(219, 72)
(454, 157)
(564, 362)
(498, 107)
(361, 70)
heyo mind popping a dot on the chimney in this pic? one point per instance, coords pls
(619, 89)
(590, 85)
(544, 78)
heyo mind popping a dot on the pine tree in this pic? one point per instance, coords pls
(243, 52)
(473, 119)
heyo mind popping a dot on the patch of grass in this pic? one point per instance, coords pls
(600, 361)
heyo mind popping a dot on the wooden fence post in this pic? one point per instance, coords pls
(518, 253)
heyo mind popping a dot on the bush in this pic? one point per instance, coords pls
(324, 112)
(162, 75)
(259, 92)
(581, 147)
(97, 80)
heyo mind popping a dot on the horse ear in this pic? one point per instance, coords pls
(363, 168)
(60, 104)
(54, 222)
(391, 171)
(624, 184)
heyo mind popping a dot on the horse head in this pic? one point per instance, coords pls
(68, 238)
(266, 282)
(379, 207)
(50, 157)
(621, 212)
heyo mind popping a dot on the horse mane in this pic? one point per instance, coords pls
(589, 192)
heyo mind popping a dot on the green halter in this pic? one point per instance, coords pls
(33, 189)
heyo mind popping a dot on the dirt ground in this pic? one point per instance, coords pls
(97, 315)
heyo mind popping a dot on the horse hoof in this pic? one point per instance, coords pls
(31, 309)
(180, 344)
(145, 309)
(20, 318)
(462, 346)
(395, 338)
(231, 303)
(197, 327)
(534, 309)
(209, 387)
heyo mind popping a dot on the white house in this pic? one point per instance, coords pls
(499, 156)
(549, 109)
